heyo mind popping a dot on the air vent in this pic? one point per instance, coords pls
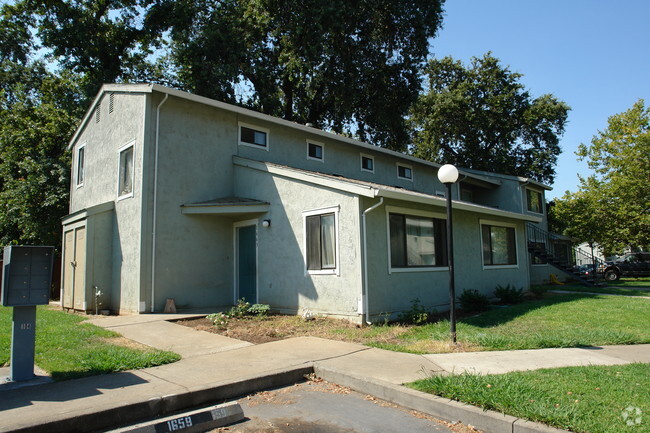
(111, 102)
(98, 113)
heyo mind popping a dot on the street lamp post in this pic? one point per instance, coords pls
(448, 174)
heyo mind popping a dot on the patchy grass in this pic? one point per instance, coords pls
(557, 321)
(631, 282)
(67, 348)
(605, 290)
(581, 399)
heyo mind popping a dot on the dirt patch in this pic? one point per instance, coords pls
(259, 330)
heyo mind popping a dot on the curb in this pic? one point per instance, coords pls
(191, 422)
(442, 408)
(126, 414)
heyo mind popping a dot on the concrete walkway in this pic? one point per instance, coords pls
(217, 368)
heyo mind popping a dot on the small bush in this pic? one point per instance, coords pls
(417, 315)
(241, 309)
(473, 301)
(509, 295)
(538, 291)
(259, 309)
(220, 320)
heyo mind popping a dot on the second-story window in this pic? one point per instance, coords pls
(367, 163)
(126, 171)
(81, 164)
(253, 136)
(315, 151)
(534, 201)
(404, 171)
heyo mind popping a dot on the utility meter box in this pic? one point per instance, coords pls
(27, 275)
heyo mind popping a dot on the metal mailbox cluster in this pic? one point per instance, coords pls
(27, 275)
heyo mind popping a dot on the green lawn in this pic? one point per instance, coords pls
(67, 348)
(581, 399)
(556, 321)
(631, 282)
(604, 290)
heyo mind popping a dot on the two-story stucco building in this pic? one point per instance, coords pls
(179, 196)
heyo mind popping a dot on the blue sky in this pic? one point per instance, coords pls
(592, 54)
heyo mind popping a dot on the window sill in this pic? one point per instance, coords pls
(489, 267)
(322, 272)
(422, 269)
(124, 197)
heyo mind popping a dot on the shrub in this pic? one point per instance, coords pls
(220, 320)
(241, 309)
(474, 301)
(259, 309)
(509, 295)
(417, 315)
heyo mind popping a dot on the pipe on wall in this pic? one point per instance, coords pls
(155, 201)
(364, 286)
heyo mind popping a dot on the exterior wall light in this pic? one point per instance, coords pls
(448, 174)
(266, 223)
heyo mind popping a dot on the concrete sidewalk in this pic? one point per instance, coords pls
(215, 368)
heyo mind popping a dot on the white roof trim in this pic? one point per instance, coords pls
(350, 186)
(150, 88)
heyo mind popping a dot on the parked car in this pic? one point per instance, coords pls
(629, 265)
(584, 271)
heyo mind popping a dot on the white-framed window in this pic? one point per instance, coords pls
(404, 172)
(367, 163)
(253, 136)
(534, 201)
(80, 172)
(126, 171)
(416, 240)
(321, 241)
(499, 242)
(315, 151)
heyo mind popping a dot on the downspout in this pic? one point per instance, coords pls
(155, 202)
(364, 288)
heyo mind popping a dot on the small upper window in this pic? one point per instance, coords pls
(534, 200)
(315, 151)
(404, 172)
(253, 136)
(81, 164)
(367, 163)
(126, 172)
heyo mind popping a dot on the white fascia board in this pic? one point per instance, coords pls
(442, 202)
(340, 185)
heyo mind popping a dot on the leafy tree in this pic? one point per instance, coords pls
(482, 117)
(38, 113)
(348, 65)
(100, 41)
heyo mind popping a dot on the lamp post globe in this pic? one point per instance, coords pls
(447, 174)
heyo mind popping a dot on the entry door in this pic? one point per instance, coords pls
(247, 263)
(74, 272)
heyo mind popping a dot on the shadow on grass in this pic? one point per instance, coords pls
(500, 316)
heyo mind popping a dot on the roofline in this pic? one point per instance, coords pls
(520, 179)
(350, 186)
(150, 88)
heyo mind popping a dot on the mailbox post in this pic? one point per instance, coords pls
(26, 281)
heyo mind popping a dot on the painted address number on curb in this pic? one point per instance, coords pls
(184, 422)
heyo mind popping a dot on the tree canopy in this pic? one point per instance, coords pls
(612, 206)
(482, 117)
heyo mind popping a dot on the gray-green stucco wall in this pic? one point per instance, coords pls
(283, 280)
(102, 137)
(390, 291)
